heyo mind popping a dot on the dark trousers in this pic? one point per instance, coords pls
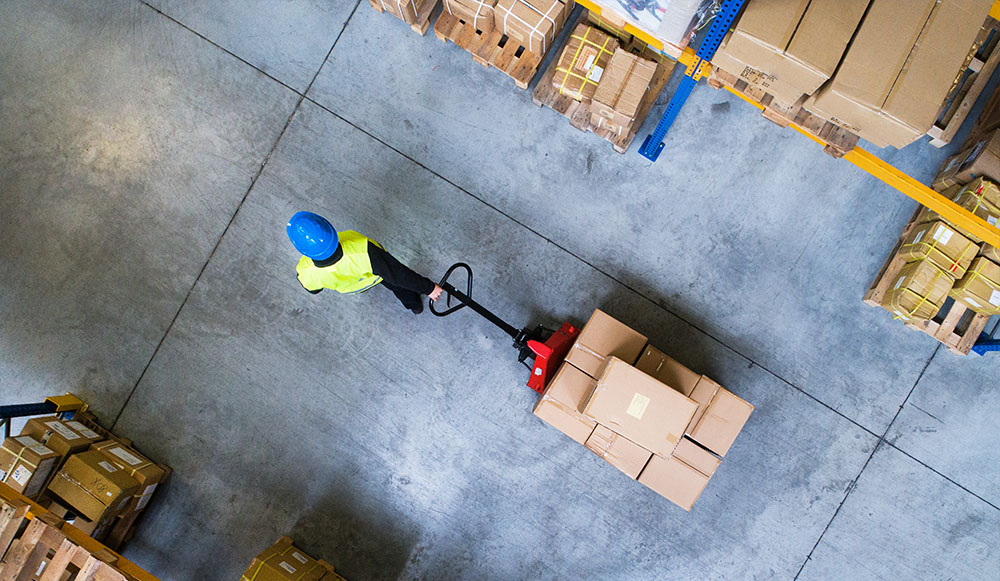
(409, 298)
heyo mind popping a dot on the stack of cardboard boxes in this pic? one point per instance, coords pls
(981, 159)
(285, 562)
(879, 68)
(406, 10)
(641, 411)
(98, 480)
(608, 79)
(478, 13)
(943, 260)
(533, 24)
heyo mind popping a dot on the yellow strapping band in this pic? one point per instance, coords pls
(569, 72)
(18, 457)
(923, 298)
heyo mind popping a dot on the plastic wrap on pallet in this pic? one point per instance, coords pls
(672, 21)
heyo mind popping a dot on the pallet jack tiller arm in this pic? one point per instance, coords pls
(547, 348)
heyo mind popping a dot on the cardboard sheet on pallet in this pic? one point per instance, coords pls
(980, 160)
(968, 199)
(900, 67)
(639, 407)
(602, 338)
(619, 451)
(621, 89)
(533, 24)
(918, 292)
(943, 245)
(583, 62)
(789, 49)
(478, 13)
(560, 405)
(26, 464)
(64, 437)
(979, 290)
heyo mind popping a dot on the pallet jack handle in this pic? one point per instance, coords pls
(465, 300)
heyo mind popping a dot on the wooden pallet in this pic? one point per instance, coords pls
(955, 325)
(490, 49)
(578, 113)
(37, 545)
(979, 67)
(839, 140)
(423, 21)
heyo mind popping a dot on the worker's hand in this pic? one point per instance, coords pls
(436, 293)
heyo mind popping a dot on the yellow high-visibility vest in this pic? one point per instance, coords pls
(351, 274)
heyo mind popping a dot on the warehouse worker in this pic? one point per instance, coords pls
(351, 263)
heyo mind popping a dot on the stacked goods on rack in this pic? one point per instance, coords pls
(95, 480)
(605, 80)
(879, 69)
(416, 13)
(981, 159)
(670, 22)
(510, 35)
(657, 421)
(284, 562)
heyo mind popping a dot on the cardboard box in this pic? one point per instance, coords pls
(478, 13)
(919, 292)
(794, 46)
(58, 435)
(899, 68)
(991, 252)
(560, 405)
(284, 561)
(639, 407)
(142, 469)
(26, 464)
(583, 62)
(980, 160)
(979, 290)
(674, 480)
(720, 417)
(696, 456)
(602, 338)
(971, 201)
(664, 368)
(93, 486)
(534, 24)
(405, 10)
(623, 85)
(619, 451)
(942, 245)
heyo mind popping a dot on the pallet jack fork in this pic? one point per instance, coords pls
(547, 348)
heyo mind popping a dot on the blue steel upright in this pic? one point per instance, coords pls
(985, 344)
(653, 144)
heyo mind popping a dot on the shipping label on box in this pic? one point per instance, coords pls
(604, 337)
(25, 464)
(583, 61)
(57, 435)
(941, 244)
(639, 407)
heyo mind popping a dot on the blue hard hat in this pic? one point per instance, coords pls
(312, 235)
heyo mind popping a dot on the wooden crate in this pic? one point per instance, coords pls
(955, 325)
(423, 20)
(839, 140)
(578, 113)
(35, 544)
(969, 84)
(490, 49)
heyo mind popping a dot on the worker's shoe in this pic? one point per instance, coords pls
(417, 309)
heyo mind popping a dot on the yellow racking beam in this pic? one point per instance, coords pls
(957, 215)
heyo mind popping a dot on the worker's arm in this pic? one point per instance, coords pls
(396, 273)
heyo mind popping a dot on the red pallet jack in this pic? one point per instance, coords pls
(547, 348)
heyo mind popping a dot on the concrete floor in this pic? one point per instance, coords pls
(150, 154)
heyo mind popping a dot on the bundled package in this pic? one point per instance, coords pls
(974, 201)
(405, 10)
(534, 24)
(284, 561)
(26, 464)
(942, 245)
(979, 290)
(478, 13)
(94, 487)
(583, 61)
(620, 91)
(919, 291)
(981, 160)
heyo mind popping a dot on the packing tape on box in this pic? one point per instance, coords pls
(588, 350)
(399, 6)
(923, 298)
(569, 72)
(955, 263)
(600, 124)
(281, 554)
(19, 458)
(533, 30)
(977, 273)
(138, 467)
